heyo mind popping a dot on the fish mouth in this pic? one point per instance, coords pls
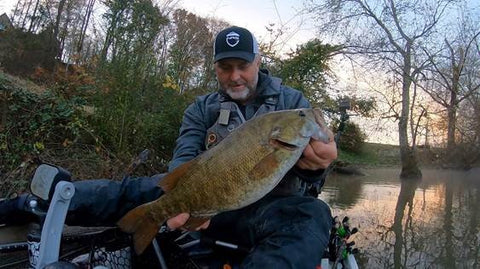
(282, 144)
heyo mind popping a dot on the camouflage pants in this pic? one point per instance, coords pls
(283, 232)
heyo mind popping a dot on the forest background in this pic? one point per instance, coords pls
(89, 84)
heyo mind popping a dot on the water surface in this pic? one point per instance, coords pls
(429, 223)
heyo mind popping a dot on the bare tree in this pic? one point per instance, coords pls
(26, 13)
(34, 18)
(451, 77)
(388, 34)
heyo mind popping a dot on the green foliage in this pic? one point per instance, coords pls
(21, 52)
(133, 28)
(352, 137)
(128, 120)
(95, 136)
(362, 106)
(34, 121)
(307, 70)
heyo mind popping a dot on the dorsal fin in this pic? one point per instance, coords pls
(169, 182)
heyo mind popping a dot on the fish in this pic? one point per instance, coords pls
(240, 170)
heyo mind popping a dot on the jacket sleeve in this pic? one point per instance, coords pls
(103, 202)
(191, 139)
(310, 176)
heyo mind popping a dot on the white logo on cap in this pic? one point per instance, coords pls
(232, 39)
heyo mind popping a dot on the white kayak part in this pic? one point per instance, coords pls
(350, 263)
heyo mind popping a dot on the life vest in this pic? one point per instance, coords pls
(230, 117)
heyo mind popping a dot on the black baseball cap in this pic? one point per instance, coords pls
(235, 42)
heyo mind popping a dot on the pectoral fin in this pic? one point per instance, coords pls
(265, 167)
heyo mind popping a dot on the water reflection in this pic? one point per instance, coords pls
(429, 223)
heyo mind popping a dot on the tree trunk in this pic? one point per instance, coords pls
(56, 28)
(33, 20)
(409, 163)
(452, 122)
(452, 105)
(407, 154)
(3, 110)
(25, 13)
(85, 21)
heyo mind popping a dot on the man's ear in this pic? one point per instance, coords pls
(258, 60)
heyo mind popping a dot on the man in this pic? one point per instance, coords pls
(285, 229)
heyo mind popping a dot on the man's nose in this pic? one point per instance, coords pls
(235, 75)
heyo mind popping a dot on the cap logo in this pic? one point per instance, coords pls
(232, 39)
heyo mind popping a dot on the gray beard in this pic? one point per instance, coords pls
(243, 96)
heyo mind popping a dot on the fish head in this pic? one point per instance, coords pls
(292, 129)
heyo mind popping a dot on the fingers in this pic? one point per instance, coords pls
(318, 155)
(310, 158)
(179, 221)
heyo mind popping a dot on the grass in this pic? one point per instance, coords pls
(372, 154)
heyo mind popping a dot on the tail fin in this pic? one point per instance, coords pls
(143, 227)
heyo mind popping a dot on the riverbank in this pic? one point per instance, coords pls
(384, 155)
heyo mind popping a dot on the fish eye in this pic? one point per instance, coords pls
(301, 113)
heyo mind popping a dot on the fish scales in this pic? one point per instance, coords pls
(240, 170)
(220, 167)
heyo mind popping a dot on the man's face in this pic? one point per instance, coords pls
(237, 77)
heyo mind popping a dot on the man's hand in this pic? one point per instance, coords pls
(318, 155)
(178, 221)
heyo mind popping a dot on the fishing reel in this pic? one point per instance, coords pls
(339, 246)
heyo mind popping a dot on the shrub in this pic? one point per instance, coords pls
(34, 120)
(352, 137)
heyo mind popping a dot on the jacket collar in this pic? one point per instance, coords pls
(267, 85)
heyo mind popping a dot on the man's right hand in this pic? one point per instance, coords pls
(14, 212)
(178, 221)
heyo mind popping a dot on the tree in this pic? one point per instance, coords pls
(85, 21)
(128, 60)
(388, 34)
(307, 69)
(191, 50)
(451, 79)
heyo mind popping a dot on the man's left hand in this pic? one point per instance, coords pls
(318, 155)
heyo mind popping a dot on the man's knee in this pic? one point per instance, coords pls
(315, 208)
(322, 209)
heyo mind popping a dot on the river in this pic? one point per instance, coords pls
(429, 223)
